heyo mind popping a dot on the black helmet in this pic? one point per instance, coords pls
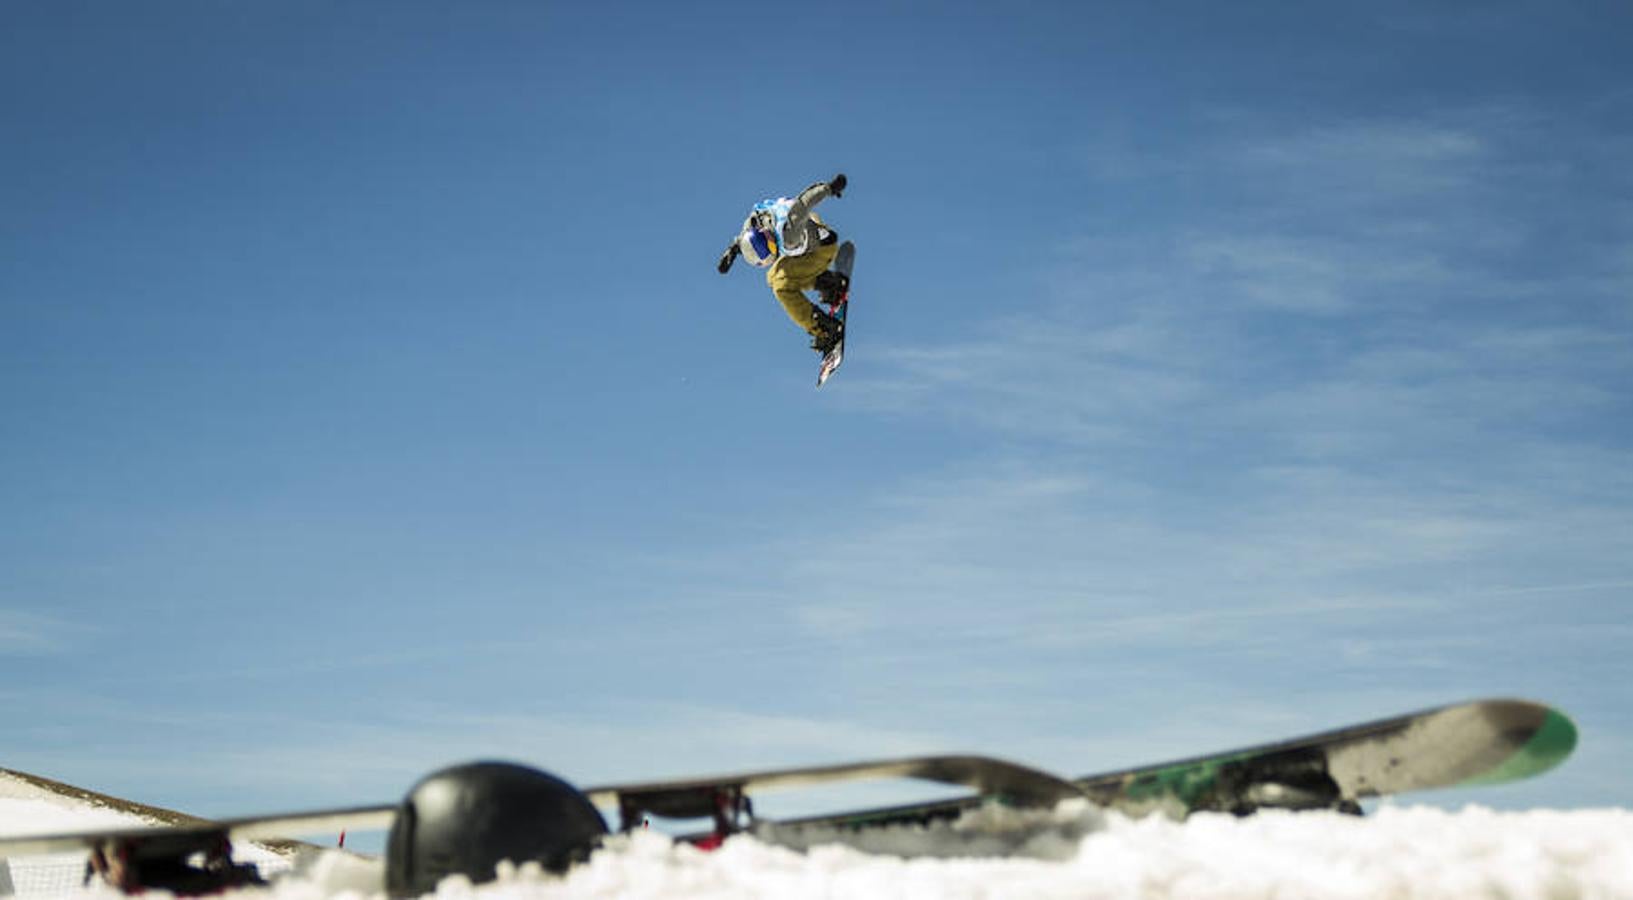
(465, 819)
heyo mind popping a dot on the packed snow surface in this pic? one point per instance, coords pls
(1397, 852)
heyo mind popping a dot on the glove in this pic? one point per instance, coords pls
(838, 185)
(727, 258)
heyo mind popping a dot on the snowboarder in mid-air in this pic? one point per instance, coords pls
(789, 238)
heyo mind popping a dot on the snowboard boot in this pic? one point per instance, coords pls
(828, 330)
(832, 286)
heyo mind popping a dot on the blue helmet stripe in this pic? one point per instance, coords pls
(763, 246)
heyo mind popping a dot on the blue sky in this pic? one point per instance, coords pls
(1218, 374)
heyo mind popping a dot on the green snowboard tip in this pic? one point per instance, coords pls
(1548, 746)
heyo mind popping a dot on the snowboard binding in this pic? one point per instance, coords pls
(829, 329)
(834, 287)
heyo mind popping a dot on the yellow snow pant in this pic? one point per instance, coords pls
(791, 276)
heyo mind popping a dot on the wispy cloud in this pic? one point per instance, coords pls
(1364, 160)
(1337, 284)
(30, 634)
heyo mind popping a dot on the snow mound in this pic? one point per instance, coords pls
(1398, 852)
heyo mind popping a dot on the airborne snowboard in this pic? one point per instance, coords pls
(838, 305)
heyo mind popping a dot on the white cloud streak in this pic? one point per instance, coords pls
(30, 634)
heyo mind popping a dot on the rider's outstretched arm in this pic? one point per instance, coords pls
(811, 196)
(729, 257)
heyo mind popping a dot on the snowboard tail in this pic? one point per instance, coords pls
(1484, 742)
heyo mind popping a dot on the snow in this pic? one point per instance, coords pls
(1400, 851)
(26, 809)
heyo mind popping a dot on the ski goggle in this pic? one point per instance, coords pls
(764, 242)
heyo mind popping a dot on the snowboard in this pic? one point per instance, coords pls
(838, 306)
(1463, 745)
